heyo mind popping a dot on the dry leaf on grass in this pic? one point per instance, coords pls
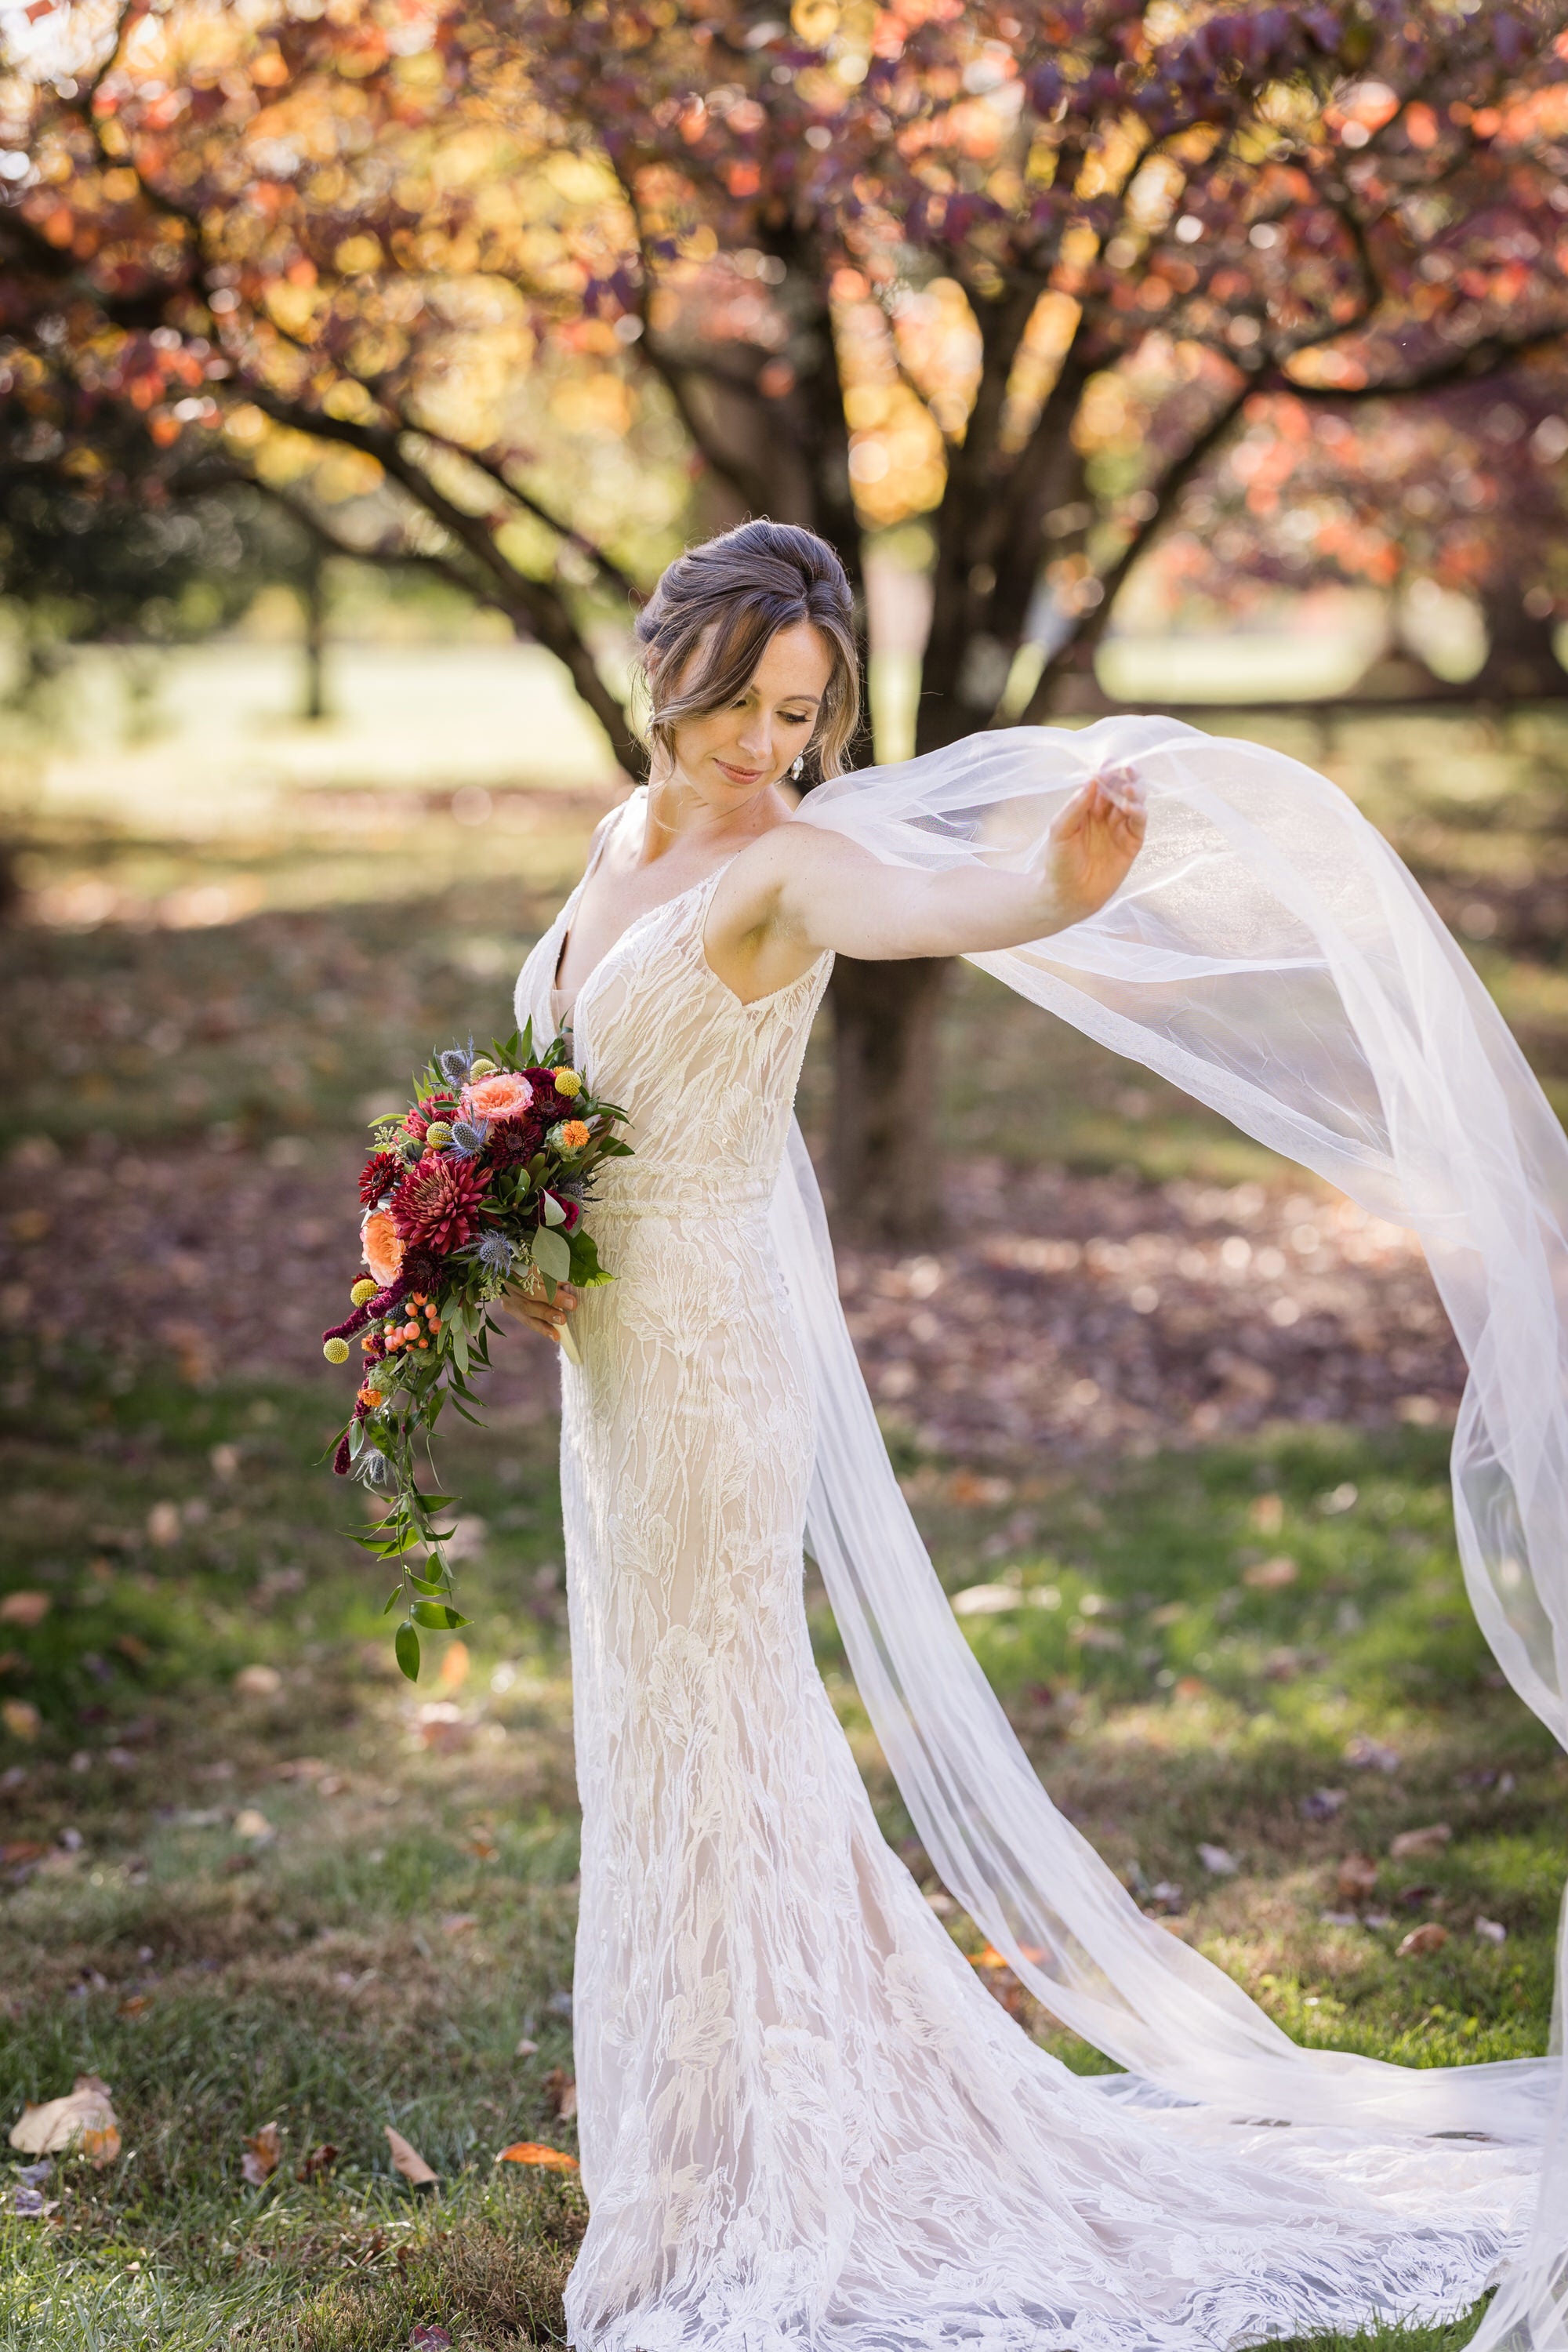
(561, 2089)
(1428, 1938)
(532, 2152)
(258, 1682)
(429, 2339)
(320, 2160)
(21, 1718)
(1491, 1931)
(262, 2150)
(459, 1923)
(254, 1826)
(1218, 1860)
(1356, 1878)
(84, 2122)
(23, 1608)
(409, 2161)
(1270, 1575)
(1410, 1844)
(526, 2049)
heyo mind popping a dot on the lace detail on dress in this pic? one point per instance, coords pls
(802, 2120)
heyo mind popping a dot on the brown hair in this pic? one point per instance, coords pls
(716, 608)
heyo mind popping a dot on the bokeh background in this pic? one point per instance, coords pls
(362, 361)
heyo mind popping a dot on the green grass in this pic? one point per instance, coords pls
(409, 1917)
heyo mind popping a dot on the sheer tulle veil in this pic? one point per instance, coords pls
(1271, 956)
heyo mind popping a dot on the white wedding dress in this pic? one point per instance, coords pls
(803, 2121)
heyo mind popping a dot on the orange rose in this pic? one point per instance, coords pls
(383, 1250)
(506, 1096)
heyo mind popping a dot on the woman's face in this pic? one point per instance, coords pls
(731, 754)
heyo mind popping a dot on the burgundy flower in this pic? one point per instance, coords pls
(513, 1140)
(573, 1211)
(436, 1206)
(380, 1174)
(548, 1106)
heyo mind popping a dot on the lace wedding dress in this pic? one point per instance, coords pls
(803, 2122)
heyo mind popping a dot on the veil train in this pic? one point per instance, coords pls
(1271, 956)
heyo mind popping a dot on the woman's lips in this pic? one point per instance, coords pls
(738, 775)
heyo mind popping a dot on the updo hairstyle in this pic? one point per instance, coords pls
(703, 630)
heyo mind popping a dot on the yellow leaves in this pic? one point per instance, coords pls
(594, 404)
(83, 2123)
(350, 400)
(359, 255)
(815, 21)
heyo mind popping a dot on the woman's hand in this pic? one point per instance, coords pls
(1092, 844)
(540, 1314)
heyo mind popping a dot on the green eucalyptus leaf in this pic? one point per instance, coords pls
(392, 1598)
(552, 1254)
(437, 1616)
(406, 1649)
(550, 1210)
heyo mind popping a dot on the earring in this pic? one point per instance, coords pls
(799, 768)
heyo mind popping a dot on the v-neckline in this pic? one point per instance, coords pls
(563, 1024)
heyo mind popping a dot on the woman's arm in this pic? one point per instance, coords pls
(802, 889)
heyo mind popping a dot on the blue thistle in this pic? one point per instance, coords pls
(495, 1254)
(468, 1136)
(456, 1063)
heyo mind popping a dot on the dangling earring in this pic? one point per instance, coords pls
(799, 768)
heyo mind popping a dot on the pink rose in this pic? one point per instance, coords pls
(506, 1096)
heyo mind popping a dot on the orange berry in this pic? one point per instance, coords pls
(424, 1343)
(435, 1322)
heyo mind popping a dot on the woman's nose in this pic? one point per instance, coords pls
(757, 738)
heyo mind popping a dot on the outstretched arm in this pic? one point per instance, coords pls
(802, 889)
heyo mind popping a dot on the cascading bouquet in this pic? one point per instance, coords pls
(481, 1182)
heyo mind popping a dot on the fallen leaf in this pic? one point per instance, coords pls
(1270, 1575)
(1356, 1878)
(526, 2049)
(454, 1668)
(262, 2150)
(83, 2121)
(321, 2159)
(135, 2004)
(21, 1718)
(20, 1850)
(1431, 1936)
(257, 1682)
(1491, 1931)
(409, 2161)
(1411, 1898)
(23, 1608)
(1267, 1514)
(459, 1923)
(254, 1826)
(429, 2339)
(561, 2089)
(1370, 1755)
(164, 1523)
(1410, 1844)
(1323, 1804)
(31, 2204)
(532, 2151)
(1218, 1860)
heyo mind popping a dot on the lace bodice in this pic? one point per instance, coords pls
(708, 1083)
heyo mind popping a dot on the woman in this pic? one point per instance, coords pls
(803, 2121)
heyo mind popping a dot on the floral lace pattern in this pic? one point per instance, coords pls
(802, 2120)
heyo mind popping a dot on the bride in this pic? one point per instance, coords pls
(803, 2122)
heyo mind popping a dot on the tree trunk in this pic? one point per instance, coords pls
(313, 605)
(1522, 659)
(885, 1090)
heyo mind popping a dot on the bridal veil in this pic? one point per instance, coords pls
(1271, 956)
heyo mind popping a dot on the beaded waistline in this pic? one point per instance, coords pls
(632, 1190)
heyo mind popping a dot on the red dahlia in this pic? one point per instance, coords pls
(436, 1206)
(380, 1174)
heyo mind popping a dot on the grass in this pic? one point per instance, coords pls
(373, 1951)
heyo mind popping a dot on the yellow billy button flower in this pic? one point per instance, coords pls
(482, 1067)
(336, 1351)
(566, 1082)
(364, 1289)
(438, 1134)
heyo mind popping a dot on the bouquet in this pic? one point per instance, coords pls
(480, 1183)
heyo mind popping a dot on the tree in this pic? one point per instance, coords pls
(1468, 491)
(1013, 269)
